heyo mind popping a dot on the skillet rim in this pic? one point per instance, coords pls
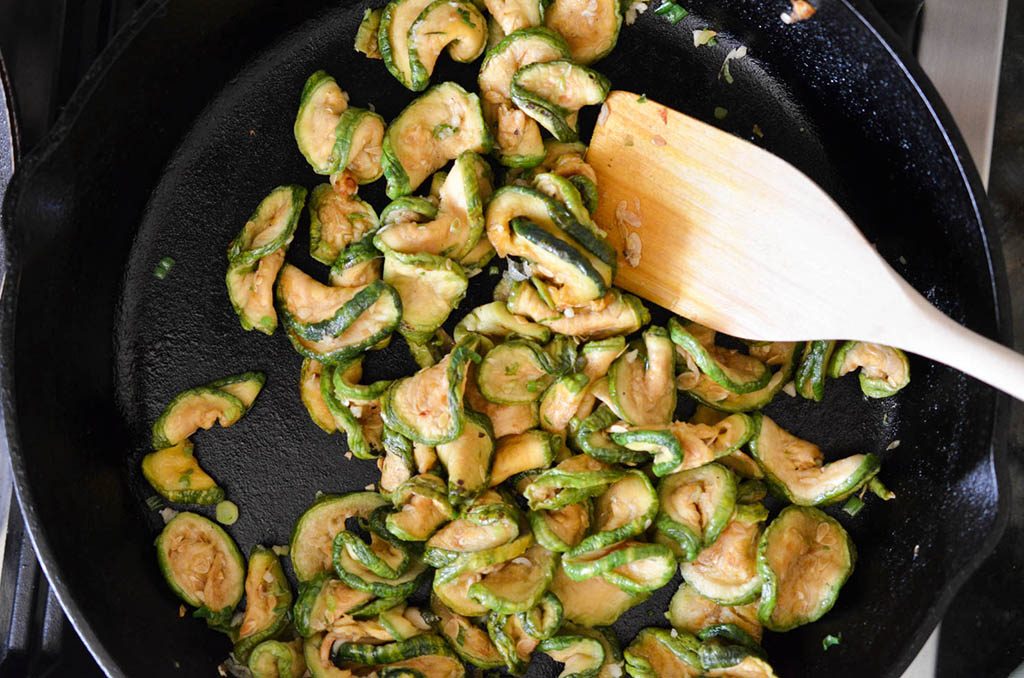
(860, 10)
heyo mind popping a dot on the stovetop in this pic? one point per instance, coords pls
(48, 46)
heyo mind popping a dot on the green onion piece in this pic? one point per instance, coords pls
(672, 12)
(720, 113)
(227, 513)
(830, 640)
(642, 99)
(880, 490)
(163, 267)
(853, 505)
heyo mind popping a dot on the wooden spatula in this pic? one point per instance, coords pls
(726, 234)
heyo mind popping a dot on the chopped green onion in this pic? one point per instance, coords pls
(493, 270)
(853, 505)
(163, 267)
(704, 37)
(642, 99)
(672, 12)
(720, 113)
(830, 640)
(227, 513)
(880, 490)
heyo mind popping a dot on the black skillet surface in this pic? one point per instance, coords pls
(829, 96)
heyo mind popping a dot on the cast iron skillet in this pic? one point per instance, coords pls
(94, 345)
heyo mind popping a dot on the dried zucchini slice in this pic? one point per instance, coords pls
(487, 523)
(553, 92)
(726, 571)
(453, 25)
(515, 372)
(453, 581)
(444, 122)
(268, 600)
(614, 314)
(320, 108)
(813, 368)
(691, 612)
(337, 221)
(884, 370)
(590, 27)
(192, 410)
(495, 322)
(430, 288)
(277, 659)
(591, 438)
(543, 620)
(523, 452)
(562, 529)
(708, 393)
(695, 506)
(641, 382)
(427, 407)
(175, 473)
(594, 601)
(562, 401)
(270, 228)
(323, 602)
(251, 291)
(581, 657)
(614, 663)
(507, 420)
(358, 145)
(312, 541)
(513, 643)
(734, 371)
(318, 666)
(633, 566)
(681, 446)
(369, 654)
(658, 652)
(360, 264)
(796, 468)
(572, 481)
(468, 640)
(513, 15)
(804, 558)
(202, 565)
(468, 459)
(518, 585)
(627, 508)
(423, 507)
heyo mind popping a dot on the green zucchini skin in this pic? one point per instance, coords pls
(409, 525)
(470, 642)
(755, 400)
(241, 252)
(872, 387)
(360, 218)
(738, 545)
(768, 611)
(813, 369)
(543, 620)
(590, 439)
(515, 372)
(315, 530)
(473, 44)
(348, 125)
(644, 508)
(376, 655)
(538, 573)
(430, 288)
(579, 566)
(710, 366)
(361, 446)
(545, 534)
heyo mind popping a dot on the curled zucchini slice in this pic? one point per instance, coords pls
(423, 506)
(507, 420)
(495, 322)
(457, 224)
(695, 507)
(580, 656)
(728, 650)
(369, 654)
(517, 585)
(268, 599)
(658, 652)
(366, 34)
(749, 666)
(797, 470)
(251, 291)
(633, 566)
(708, 393)
(804, 559)
(572, 481)
(512, 15)
(594, 601)
(613, 664)
(175, 473)
(681, 446)
(813, 368)
(270, 228)
(337, 221)
(357, 316)
(318, 666)
(562, 401)
(192, 410)
(884, 370)
(523, 452)
(468, 640)
(691, 612)
(614, 314)
(591, 28)
(515, 372)
(345, 380)
(413, 33)
(359, 419)
(591, 438)
(514, 644)
(640, 382)
(320, 108)
(324, 602)
(430, 288)
(726, 571)
(518, 137)
(427, 407)
(487, 523)
(560, 530)
(440, 125)
(384, 555)
(313, 538)
(453, 581)
(202, 565)
(553, 92)
(627, 508)
(360, 264)
(277, 659)
(358, 145)
(734, 371)
(468, 458)
(543, 620)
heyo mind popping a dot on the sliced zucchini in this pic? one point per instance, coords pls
(594, 601)
(591, 438)
(440, 125)
(427, 407)
(696, 505)
(708, 393)
(487, 523)
(573, 480)
(507, 420)
(320, 107)
(318, 666)
(430, 288)
(313, 537)
(455, 227)
(345, 380)
(366, 35)
(797, 470)
(543, 620)
(429, 352)
(562, 400)
(446, 665)
(681, 446)
(360, 264)
(512, 641)
(804, 559)
(192, 410)
(358, 577)
(641, 381)
(404, 622)
(513, 15)
(562, 529)
(726, 646)
(175, 473)
(581, 657)
(453, 25)
(268, 601)
(591, 28)
(633, 566)
(691, 612)
(515, 372)
(553, 92)
(813, 368)
(359, 137)
(659, 652)
(884, 370)
(368, 319)
(337, 221)
(423, 506)
(270, 228)
(468, 458)
(316, 312)
(277, 659)
(359, 419)
(726, 571)
(517, 585)
(324, 602)
(523, 452)
(427, 644)
(384, 555)
(495, 322)
(251, 291)
(453, 581)
(627, 508)
(613, 664)
(734, 371)
(518, 137)
(749, 666)
(202, 565)
(468, 640)
(614, 314)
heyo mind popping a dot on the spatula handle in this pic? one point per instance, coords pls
(943, 339)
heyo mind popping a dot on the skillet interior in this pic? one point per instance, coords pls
(828, 98)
